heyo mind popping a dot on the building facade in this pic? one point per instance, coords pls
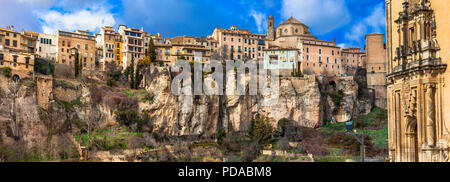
(376, 67)
(240, 44)
(133, 45)
(47, 47)
(182, 46)
(79, 41)
(418, 51)
(318, 57)
(17, 51)
(110, 43)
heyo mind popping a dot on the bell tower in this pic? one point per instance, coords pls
(271, 28)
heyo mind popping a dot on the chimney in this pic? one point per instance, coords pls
(334, 40)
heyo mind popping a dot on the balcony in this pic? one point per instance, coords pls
(421, 55)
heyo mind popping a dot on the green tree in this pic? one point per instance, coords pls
(260, 130)
(76, 66)
(7, 72)
(131, 73)
(151, 54)
(137, 78)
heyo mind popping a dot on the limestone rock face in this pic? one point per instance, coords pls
(299, 100)
(19, 114)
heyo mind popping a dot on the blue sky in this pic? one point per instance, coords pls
(346, 20)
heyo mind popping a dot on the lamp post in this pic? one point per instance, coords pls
(349, 127)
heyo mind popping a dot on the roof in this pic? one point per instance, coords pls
(293, 21)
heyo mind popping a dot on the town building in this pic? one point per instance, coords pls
(376, 67)
(240, 44)
(110, 43)
(182, 46)
(17, 50)
(418, 47)
(318, 57)
(133, 45)
(79, 41)
(47, 47)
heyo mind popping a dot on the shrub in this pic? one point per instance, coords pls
(260, 130)
(220, 135)
(314, 142)
(7, 72)
(351, 145)
(231, 143)
(284, 144)
(250, 152)
(336, 97)
(43, 66)
(126, 115)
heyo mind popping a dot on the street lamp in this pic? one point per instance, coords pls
(350, 131)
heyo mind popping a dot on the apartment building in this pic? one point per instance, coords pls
(240, 44)
(111, 43)
(175, 48)
(47, 47)
(79, 41)
(133, 45)
(17, 50)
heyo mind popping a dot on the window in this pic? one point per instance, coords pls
(320, 51)
(63, 43)
(1, 56)
(332, 52)
(7, 42)
(286, 30)
(224, 39)
(15, 43)
(307, 50)
(27, 61)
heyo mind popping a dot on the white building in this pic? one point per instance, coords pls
(133, 45)
(47, 46)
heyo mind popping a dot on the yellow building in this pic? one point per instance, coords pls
(17, 51)
(418, 51)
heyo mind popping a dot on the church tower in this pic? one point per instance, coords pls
(271, 28)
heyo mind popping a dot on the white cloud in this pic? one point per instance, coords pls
(323, 16)
(375, 22)
(86, 19)
(260, 20)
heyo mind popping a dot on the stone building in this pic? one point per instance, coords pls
(173, 48)
(318, 57)
(79, 41)
(47, 47)
(418, 50)
(17, 50)
(240, 44)
(111, 44)
(376, 67)
(133, 45)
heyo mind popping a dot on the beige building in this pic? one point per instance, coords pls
(418, 51)
(79, 41)
(47, 46)
(315, 56)
(240, 44)
(133, 45)
(17, 50)
(376, 67)
(173, 48)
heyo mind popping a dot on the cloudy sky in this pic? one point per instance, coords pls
(346, 20)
